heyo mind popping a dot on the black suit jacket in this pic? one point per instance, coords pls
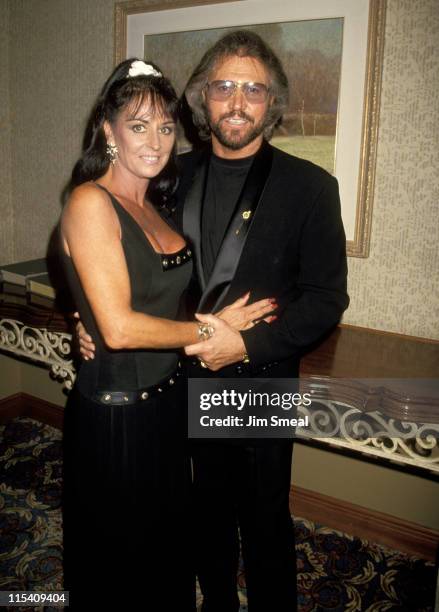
(286, 240)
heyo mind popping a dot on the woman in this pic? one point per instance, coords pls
(126, 469)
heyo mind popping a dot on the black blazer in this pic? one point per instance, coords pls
(286, 240)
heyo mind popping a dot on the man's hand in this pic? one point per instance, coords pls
(85, 341)
(226, 346)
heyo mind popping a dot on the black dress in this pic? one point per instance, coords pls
(127, 471)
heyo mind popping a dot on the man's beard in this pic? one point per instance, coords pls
(238, 142)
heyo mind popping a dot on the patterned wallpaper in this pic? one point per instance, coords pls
(6, 208)
(60, 52)
(397, 287)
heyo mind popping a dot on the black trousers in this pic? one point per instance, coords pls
(245, 487)
(126, 500)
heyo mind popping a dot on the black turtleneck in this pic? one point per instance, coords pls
(225, 181)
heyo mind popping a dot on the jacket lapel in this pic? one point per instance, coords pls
(192, 210)
(231, 248)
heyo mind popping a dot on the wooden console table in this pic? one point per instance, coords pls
(40, 335)
(376, 393)
(373, 393)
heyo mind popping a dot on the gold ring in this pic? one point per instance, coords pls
(202, 364)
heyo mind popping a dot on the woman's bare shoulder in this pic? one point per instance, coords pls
(90, 197)
(88, 202)
(89, 192)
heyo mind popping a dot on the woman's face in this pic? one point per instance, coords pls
(144, 138)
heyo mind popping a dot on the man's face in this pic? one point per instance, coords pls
(237, 123)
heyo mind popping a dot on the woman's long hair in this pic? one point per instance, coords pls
(119, 91)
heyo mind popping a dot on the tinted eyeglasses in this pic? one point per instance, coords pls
(220, 91)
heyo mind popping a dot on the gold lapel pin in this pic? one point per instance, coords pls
(246, 214)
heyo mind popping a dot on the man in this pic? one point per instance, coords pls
(269, 223)
(266, 222)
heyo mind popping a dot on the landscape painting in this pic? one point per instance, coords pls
(311, 53)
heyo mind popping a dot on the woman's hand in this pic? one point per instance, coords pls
(240, 316)
(85, 341)
(223, 348)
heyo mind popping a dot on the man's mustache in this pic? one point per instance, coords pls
(237, 115)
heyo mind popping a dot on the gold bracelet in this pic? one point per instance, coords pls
(205, 331)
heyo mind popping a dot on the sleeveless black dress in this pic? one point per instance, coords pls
(127, 472)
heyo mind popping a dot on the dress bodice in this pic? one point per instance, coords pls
(158, 282)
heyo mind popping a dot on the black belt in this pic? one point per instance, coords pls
(132, 397)
(242, 368)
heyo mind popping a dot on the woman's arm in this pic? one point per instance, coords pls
(91, 235)
(237, 316)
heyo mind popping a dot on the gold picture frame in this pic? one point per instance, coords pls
(358, 120)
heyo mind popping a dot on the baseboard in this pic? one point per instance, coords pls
(11, 407)
(23, 404)
(371, 525)
(378, 527)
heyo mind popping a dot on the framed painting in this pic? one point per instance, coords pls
(332, 53)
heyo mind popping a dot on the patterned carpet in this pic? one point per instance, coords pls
(336, 572)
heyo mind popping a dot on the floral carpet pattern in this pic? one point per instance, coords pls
(336, 571)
